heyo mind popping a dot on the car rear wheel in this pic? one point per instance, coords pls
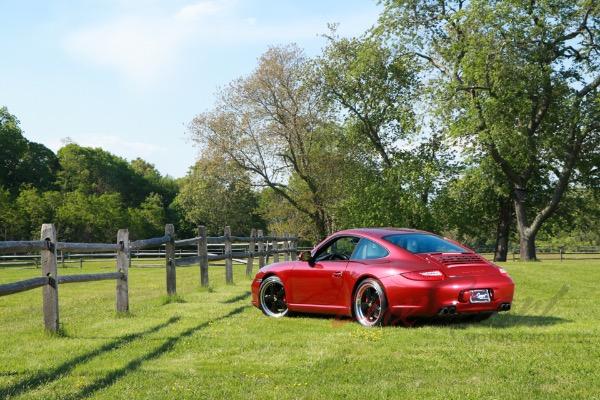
(272, 297)
(369, 304)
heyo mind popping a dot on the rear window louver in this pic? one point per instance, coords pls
(450, 259)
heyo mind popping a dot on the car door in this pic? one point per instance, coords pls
(322, 284)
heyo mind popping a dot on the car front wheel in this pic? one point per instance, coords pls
(272, 297)
(369, 304)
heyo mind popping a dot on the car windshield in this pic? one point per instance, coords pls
(423, 243)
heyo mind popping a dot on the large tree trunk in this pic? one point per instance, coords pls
(503, 230)
(319, 219)
(527, 247)
(526, 233)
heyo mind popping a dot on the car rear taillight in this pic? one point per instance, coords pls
(431, 275)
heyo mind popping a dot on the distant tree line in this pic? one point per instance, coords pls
(87, 193)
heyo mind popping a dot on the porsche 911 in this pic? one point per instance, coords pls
(385, 275)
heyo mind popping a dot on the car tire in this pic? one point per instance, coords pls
(369, 304)
(272, 297)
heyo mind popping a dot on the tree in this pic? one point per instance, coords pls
(35, 208)
(392, 197)
(148, 220)
(154, 182)
(375, 88)
(90, 218)
(21, 161)
(216, 194)
(474, 207)
(39, 167)
(96, 171)
(12, 147)
(376, 92)
(516, 79)
(273, 124)
(282, 217)
(8, 215)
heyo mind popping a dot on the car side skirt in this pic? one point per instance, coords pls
(320, 309)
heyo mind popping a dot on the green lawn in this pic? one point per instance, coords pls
(216, 345)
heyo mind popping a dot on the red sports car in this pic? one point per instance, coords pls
(382, 275)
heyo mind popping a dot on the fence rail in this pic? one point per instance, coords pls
(90, 277)
(86, 247)
(23, 285)
(256, 245)
(22, 246)
(550, 253)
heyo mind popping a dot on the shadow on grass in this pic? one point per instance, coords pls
(496, 321)
(235, 299)
(44, 377)
(510, 320)
(170, 299)
(110, 378)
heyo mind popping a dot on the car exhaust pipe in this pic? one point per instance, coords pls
(446, 311)
(504, 307)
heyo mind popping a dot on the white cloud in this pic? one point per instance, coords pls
(250, 20)
(203, 8)
(138, 48)
(144, 48)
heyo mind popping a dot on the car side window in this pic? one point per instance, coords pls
(338, 250)
(368, 250)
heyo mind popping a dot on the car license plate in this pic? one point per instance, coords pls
(480, 296)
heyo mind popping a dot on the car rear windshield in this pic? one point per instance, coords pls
(423, 243)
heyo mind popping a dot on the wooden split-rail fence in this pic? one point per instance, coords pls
(258, 247)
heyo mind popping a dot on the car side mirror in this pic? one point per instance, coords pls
(305, 256)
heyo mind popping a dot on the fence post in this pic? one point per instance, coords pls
(170, 260)
(266, 250)
(275, 250)
(286, 247)
(251, 248)
(50, 290)
(561, 253)
(123, 267)
(261, 248)
(203, 254)
(228, 260)
(294, 249)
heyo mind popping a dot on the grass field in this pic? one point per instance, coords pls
(216, 345)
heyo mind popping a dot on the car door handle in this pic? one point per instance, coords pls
(337, 274)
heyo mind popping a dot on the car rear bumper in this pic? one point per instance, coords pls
(408, 298)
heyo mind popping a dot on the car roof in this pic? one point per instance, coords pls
(378, 232)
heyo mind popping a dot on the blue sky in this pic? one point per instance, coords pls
(128, 76)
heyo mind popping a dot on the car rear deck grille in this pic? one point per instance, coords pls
(452, 259)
